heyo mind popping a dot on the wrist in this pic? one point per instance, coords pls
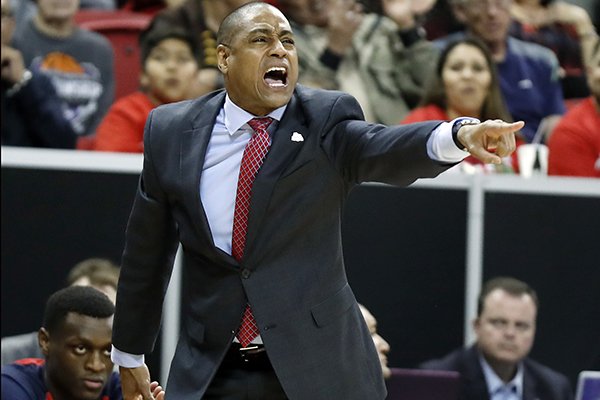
(459, 123)
(14, 89)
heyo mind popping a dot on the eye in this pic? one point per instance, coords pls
(79, 349)
(522, 326)
(159, 57)
(107, 353)
(259, 39)
(184, 59)
(479, 68)
(456, 67)
(498, 323)
(288, 41)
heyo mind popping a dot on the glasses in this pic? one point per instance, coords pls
(503, 325)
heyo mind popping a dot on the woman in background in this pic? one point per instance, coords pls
(464, 83)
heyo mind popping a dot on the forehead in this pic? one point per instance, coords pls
(464, 48)
(78, 325)
(500, 302)
(263, 19)
(172, 43)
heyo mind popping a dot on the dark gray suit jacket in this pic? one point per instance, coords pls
(292, 272)
(539, 381)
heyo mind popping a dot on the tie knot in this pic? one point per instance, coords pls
(260, 124)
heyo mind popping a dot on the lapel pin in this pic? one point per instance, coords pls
(296, 137)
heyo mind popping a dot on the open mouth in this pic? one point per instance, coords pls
(276, 77)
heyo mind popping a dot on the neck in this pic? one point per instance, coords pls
(54, 391)
(54, 28)
(505, 371)
(498, 50)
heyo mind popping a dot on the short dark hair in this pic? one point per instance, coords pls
(232, 21)
(100, 272)
(156, 32)
(510, 285)
(84, 300)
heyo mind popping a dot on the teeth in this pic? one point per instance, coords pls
(274, 69)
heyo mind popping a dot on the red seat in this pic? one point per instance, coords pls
(122, 29)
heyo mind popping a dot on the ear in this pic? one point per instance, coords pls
(222, 58)
(44, 341)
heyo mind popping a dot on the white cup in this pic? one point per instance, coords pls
(533, 159)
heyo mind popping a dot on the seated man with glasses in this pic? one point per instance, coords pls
(496, 366)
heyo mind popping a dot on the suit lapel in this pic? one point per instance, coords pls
(192, 152)
(284, 156)
(529, 385)
(476, 387)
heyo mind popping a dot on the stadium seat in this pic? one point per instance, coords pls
(122, 29)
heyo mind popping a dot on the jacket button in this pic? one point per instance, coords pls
(246, 273)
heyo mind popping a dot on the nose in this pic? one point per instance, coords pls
(467, 72)
(171, 63)
(381, 344)
(95, 362)
(278, 50)
(510, 330)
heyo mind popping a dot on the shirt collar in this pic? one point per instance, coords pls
(236, 117)
(494, 383)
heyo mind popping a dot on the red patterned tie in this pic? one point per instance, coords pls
(254, 153)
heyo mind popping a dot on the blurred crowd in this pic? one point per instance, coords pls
(403, 60)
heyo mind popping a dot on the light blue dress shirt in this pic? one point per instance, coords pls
(499, 390)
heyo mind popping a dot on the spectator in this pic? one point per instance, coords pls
(75, 339)
(381, 345)
(31, 111)
(528, 72)
(79, 62)
(98, 273)
(564, 28)
(464, 83)
(201, 20)
(381, 60)
(169, 64)
(574, 147)
(497, 365)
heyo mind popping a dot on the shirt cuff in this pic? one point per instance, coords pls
(126, 360)
(441, 146)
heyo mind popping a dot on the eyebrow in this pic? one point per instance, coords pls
(270, 31)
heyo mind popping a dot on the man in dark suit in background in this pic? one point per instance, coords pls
(497, 366)
(269, 313)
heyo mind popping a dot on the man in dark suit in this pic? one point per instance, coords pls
(285, 278)
(497, 366)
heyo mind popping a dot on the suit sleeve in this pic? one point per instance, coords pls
(365, 152)
(150, 247)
